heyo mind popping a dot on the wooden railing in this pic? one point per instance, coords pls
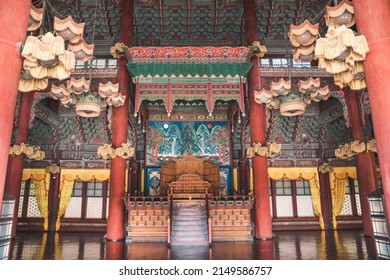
(131, 201)
(246, 200)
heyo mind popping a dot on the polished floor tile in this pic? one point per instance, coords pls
(286, 245)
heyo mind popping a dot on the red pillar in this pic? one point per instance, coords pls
(373, 20)
(326, 200)
(365, 162)
(257, 119)
(133, 175)
(15, 165)
(54, 200)
(115, 226)
(13, 20)
(243, 176)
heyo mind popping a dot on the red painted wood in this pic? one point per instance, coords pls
(134, 176)
(294, 197)
(104, 202)
(273, 192)
(365, 164)
(352, 193)
(84, 200)
(257, 120)
(373, 22)
(243, 176)
(115, 226)
(54, 201)
(14, 18)
(15, 166)
(326, 200)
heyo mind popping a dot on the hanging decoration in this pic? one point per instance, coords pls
(353, 148)
(269, 150)
(303, 37)
(35, 18)
(51, 55)
(292, 100)
(106, 151)
(52, 169)
(78, 93)
(325, 168)
(340, 14)
(33, 152)
(258, 49)
(341, 52)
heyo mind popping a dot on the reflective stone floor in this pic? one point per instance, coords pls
(286, 245)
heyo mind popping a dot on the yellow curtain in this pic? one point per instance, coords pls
(68, 176)
(316, 200)
(85, 174)
(66, 188)
(42, 184)
(235, 180)
(338, 187)
(292, 173)
(307, 173)
(42, 197)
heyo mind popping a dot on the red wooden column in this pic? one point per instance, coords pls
(15, 163)
(115, 226)
(326, 200)
(257, 119)
(373, 20)
(243, 176)
(365, 162)
(13, 22)
(133, 177)
(54, 200)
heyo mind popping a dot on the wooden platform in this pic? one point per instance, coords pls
(147, 219)
(230, 218)
(231, 222)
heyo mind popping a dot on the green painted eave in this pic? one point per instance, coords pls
(189, 69)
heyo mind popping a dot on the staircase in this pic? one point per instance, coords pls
(189, 223)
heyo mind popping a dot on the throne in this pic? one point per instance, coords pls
(190, 174)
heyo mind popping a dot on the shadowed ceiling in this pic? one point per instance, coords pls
(189, 23)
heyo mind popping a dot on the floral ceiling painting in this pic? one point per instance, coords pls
(201, 138)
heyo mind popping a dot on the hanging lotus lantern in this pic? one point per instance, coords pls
(313, 88)
(116, 100)
(88, 105)
(341, 14)
(304, 34)
(59, 92)
(308, 86)
(281, 87)
(303, 54)
(67, 101)
(82, 51)
(293, 104)
(108, 89)
(274, 104)
(263, 96)
(35, 18)
(68, 29)
(78, 86)
(322, 93)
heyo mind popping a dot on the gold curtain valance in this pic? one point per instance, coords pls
(85, 174)
(293, 173)
(341, 173)
(36, 174)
